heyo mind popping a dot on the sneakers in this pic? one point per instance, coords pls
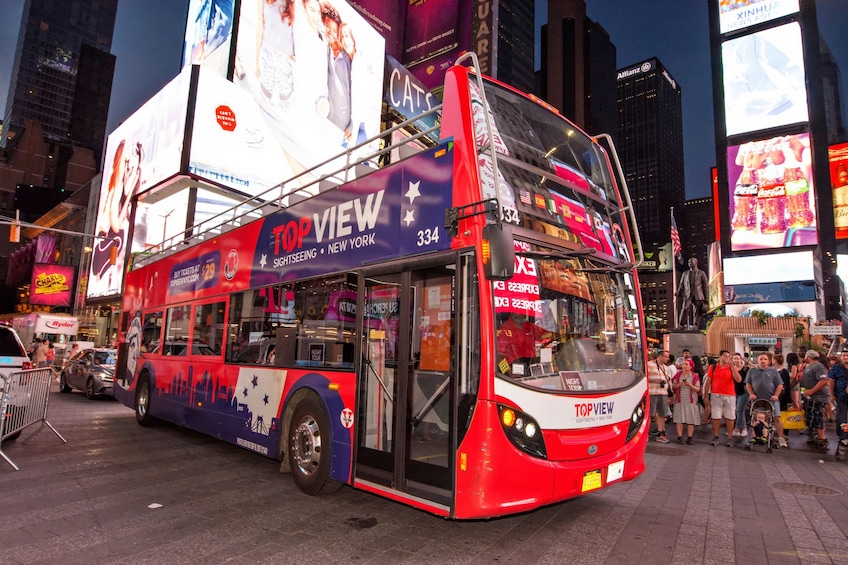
(714, 441)
(680, 440)
(662, 438)
(736, 433)
(690, 441)
(781, 441)
(729, 443)
(818, 443)
(744, 433)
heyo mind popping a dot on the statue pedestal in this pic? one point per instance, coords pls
(675, 341)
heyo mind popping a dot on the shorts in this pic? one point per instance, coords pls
(659, 404)
(814, 413)
(723, 406)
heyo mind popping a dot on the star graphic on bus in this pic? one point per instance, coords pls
(255, 381)
(263, 260)
(413, 192)
(410, 217)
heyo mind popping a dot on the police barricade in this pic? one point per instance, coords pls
(23, 402)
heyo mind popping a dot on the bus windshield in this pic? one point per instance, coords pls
(567, 325)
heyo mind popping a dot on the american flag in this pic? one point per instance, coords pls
(676, 248)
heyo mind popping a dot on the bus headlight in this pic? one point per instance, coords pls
(522, 431)
(637, 418)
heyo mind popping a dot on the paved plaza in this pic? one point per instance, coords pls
(88, 501)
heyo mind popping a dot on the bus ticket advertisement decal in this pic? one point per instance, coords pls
(196, 274)
(389, 213)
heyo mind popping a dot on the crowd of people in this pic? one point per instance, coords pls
(721, 392)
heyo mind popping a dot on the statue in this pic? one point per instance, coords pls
(694, 293)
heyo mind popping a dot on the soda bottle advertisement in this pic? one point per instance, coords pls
(772, 197)
(838, 159)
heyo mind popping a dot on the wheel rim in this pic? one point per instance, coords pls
(143, 392)
(306, 446)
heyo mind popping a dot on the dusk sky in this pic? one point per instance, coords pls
(149, 35)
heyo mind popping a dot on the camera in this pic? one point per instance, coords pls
(662, 384)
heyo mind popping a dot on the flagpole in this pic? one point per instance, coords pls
(673, 276)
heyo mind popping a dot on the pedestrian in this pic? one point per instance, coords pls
(765, 383)
(816, 394)
(740, 429)
(686, 385)
(796, 368)
(40, 353)
(51, 353)
(722, 395)
(839, 393)
(657, 383)
(74, 351)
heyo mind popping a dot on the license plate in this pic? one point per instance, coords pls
(591, 481)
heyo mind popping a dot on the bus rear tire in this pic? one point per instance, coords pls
(310, 448)
(142, 402)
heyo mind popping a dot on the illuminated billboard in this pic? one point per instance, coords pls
(838, 158)
(738, 14)
(315, 73)
(778, 267)
(51, 285)
(387, 18)
(431, 29)
(233, 143)
(144, 150)
(764, 80)
(209, 30)
(772, 196)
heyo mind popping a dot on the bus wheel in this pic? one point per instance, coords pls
(63, 383)
(142, 401)
(310, 453)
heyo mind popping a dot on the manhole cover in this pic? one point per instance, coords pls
(801, 488)
(667, 451)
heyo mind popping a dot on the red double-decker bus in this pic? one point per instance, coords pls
(459, 330)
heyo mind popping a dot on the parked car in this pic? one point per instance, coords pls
(13, 357)
(92, 371)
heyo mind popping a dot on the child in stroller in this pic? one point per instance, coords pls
(763, 431)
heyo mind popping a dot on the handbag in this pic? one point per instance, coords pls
(792, 420)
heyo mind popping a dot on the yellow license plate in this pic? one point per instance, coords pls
(591, 481)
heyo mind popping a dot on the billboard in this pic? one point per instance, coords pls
(144, 150)
(315, 74)
(388, 18)
(51, 285)
(838, 159)
(764, 80)
(738, 14)
(779, 267)
(431, 28)
(772, 196)
(209, 30)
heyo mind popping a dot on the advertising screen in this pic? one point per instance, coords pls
(387, 18)
(764, 80)
(778, 267)
(838, 158)
(772, 197)
(430, 69)
(315, 74)
(738, 14)
(209, 30)
(233, 143)
(143, 151)
(51, 285)
(431, 28)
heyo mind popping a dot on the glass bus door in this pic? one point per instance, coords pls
(406, 384)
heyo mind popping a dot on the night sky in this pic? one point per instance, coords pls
(149, 35)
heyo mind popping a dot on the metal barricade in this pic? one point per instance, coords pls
(23, 402)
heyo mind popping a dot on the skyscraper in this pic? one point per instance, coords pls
(650, 145)
(61, 41)
(578, 62)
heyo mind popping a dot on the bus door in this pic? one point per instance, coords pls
(406, 386)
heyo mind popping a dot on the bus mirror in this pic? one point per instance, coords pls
(498, 252)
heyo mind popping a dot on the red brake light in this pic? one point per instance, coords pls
(26, 365)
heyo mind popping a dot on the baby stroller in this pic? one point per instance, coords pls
(763, 431)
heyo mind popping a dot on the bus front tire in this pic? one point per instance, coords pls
(309, 448)
(142, 402)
